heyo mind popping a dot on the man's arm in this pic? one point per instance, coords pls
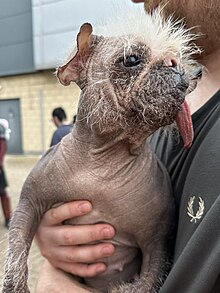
(53, 280)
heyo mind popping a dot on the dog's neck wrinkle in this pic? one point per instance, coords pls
(109, 145)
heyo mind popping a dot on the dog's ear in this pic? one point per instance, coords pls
(71, 70)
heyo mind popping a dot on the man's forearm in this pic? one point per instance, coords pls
(56, 281)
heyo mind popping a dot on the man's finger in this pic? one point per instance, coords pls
(66, 211)
(87, 254)
(84, 270)
(67, 235)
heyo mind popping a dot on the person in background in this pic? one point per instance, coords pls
(63, 128)
(194, 174)
(5, 199)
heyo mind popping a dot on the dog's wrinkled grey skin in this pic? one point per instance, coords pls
(129, 90)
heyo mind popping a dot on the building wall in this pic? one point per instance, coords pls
(56, 24)
(39, 94)
(16, 42)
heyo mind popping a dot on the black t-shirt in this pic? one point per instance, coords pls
(195, 176)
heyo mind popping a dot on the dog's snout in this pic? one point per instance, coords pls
(174, 73)
(183, 85)
(181, 79)
(173, 63)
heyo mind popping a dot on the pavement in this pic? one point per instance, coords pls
(17, 168)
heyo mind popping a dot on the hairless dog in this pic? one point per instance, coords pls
(133, 81)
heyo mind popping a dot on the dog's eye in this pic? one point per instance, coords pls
(131, 61)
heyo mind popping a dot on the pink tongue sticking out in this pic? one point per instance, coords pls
(184, 123)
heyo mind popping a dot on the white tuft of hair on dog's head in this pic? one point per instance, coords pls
(164, 36)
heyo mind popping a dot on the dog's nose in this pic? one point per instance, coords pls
(171, 62)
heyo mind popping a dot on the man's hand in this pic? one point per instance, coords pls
(67, 247)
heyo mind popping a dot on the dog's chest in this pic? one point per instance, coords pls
(114, 191)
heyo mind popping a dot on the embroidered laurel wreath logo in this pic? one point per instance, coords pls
(194, 217)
